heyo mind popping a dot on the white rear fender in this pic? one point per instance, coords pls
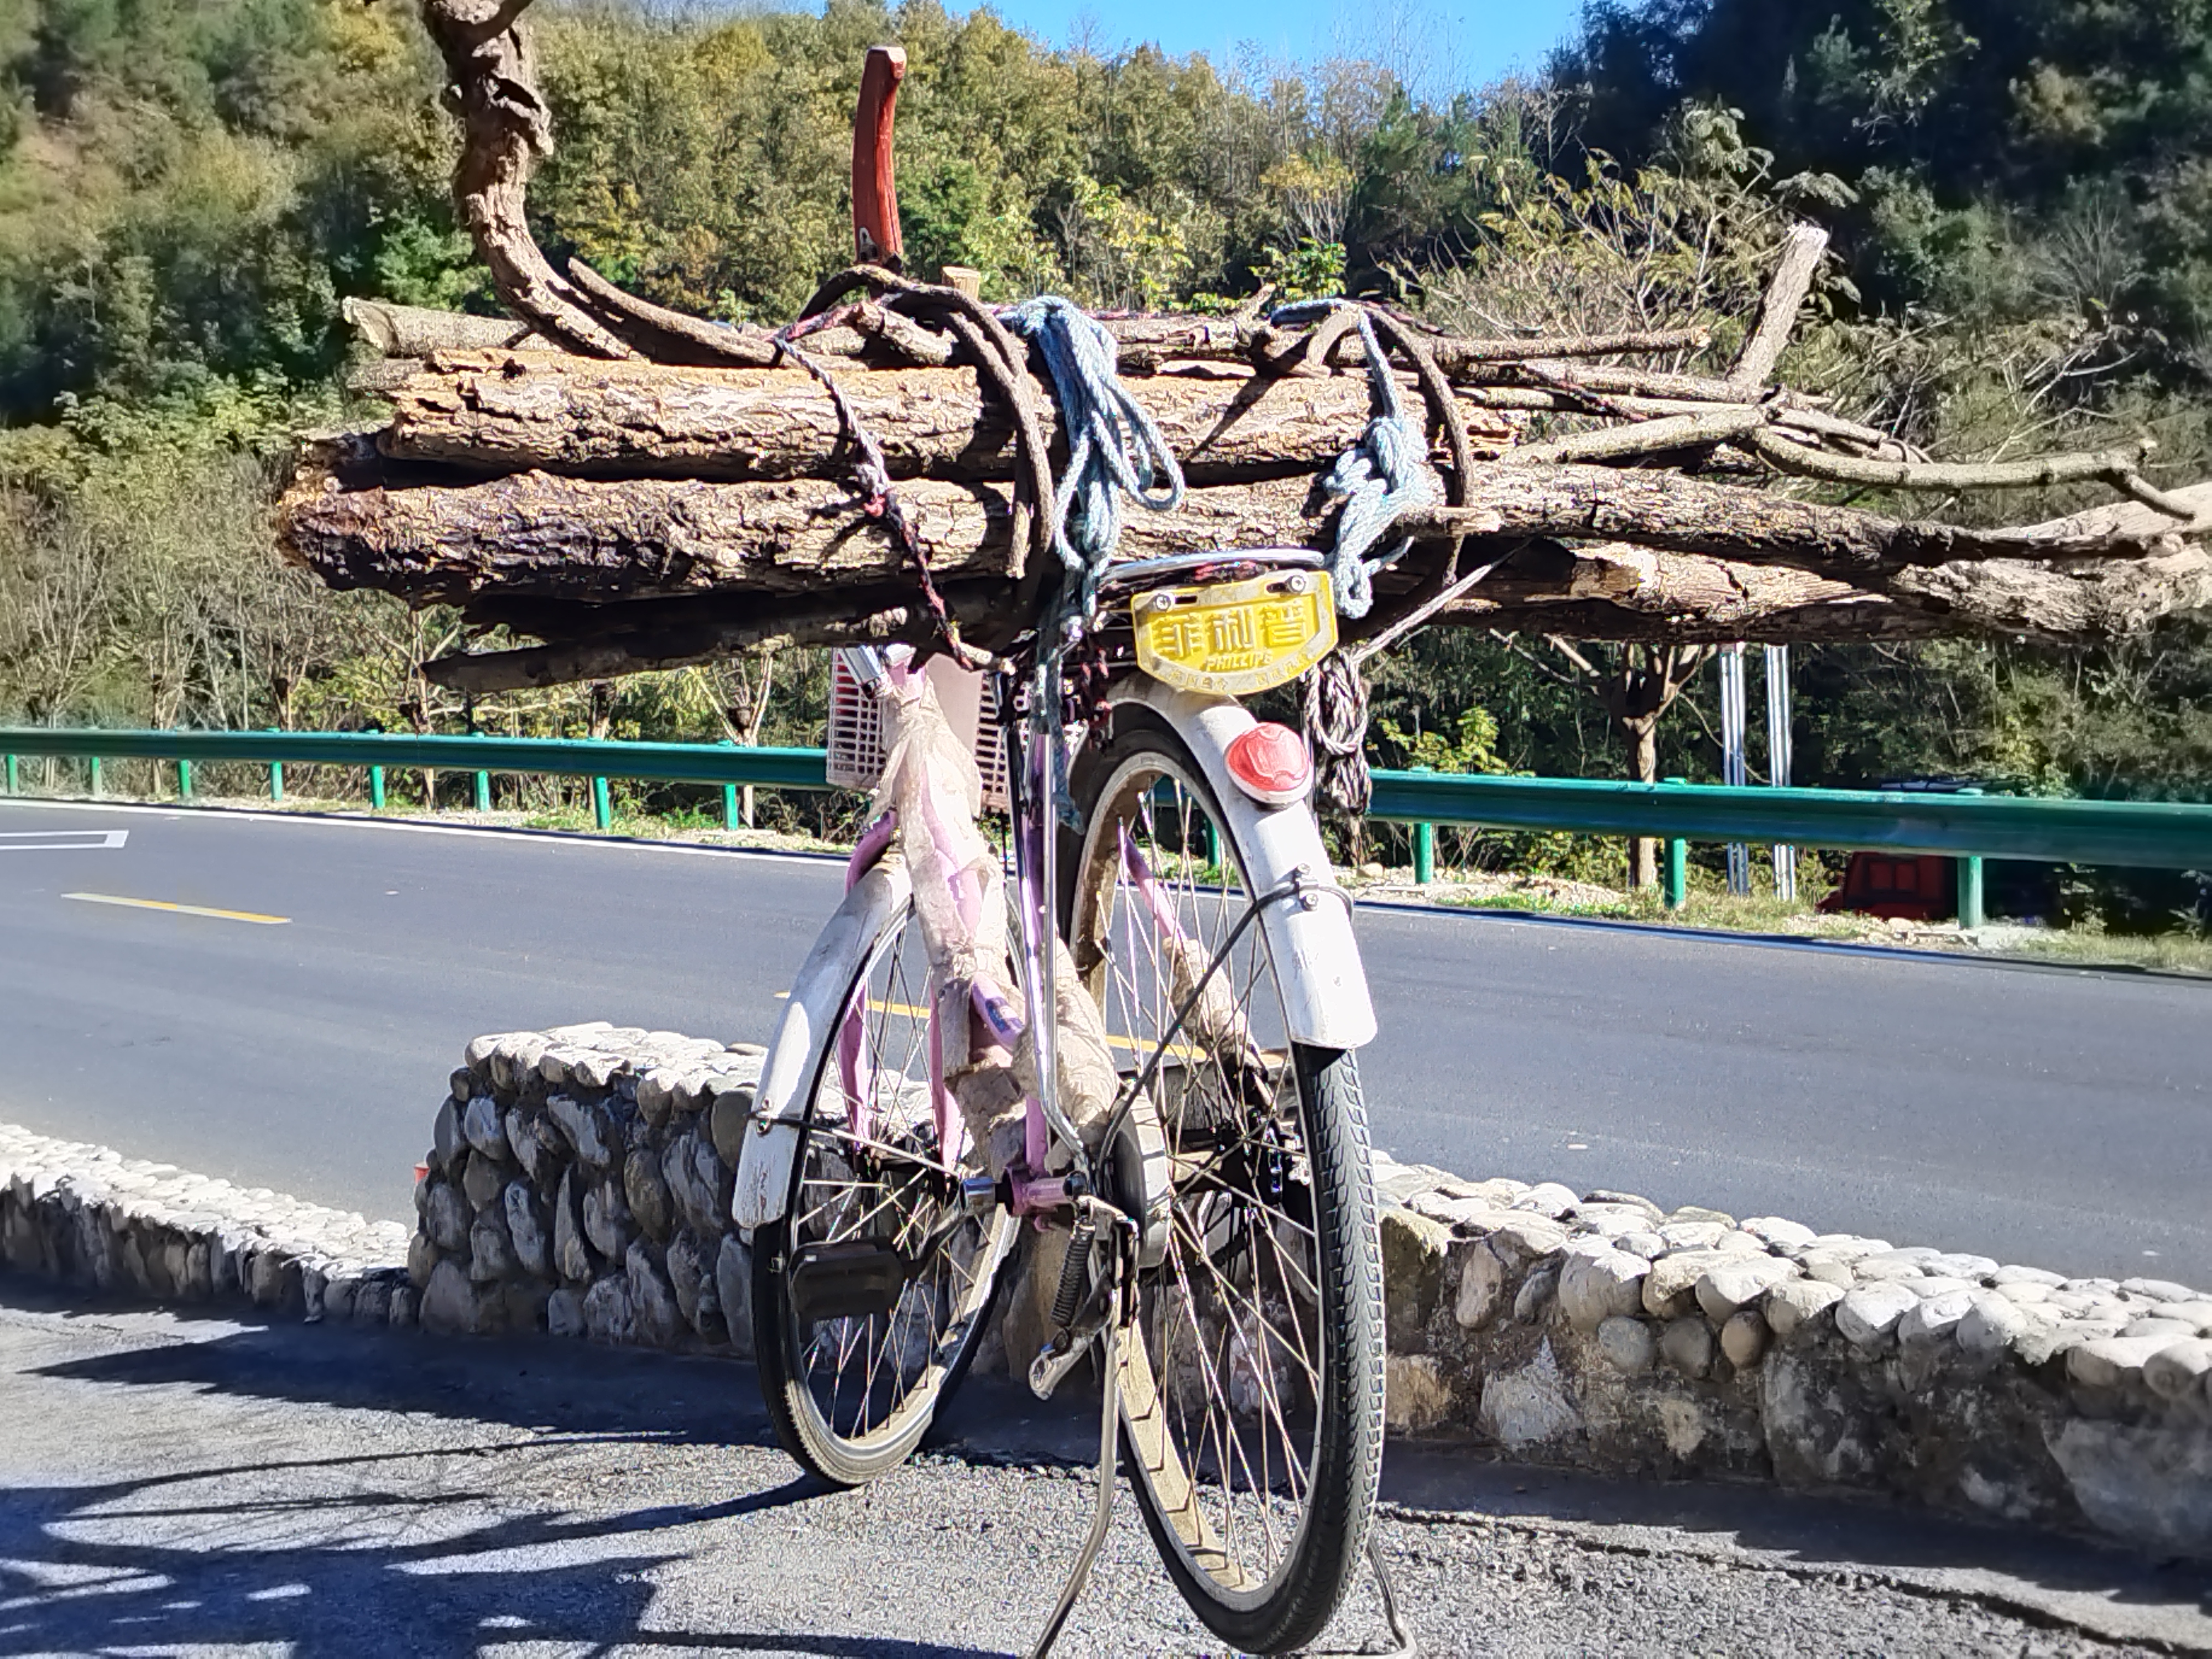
(1324, 987)
(804, 1033)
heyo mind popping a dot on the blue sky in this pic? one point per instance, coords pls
(1439, 47)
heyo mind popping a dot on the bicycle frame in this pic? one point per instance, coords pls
(1328, 1005)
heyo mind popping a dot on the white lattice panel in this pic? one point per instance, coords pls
(856, 733)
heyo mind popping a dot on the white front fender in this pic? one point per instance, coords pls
(1325, 997)
(804, 1033)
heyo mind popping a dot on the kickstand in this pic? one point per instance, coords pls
(1408, 1648)
(1109, 1442)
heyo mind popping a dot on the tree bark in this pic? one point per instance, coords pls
(1643, 851)
(1670, 513)
(1632, 594)
(358, 519)
(513, 412)
(1802, 251)
(537, 535)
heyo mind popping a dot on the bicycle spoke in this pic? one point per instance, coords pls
(1229, 1314)
(873, 1173)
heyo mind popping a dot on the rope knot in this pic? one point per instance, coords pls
(1378, 478)
(1114, 447)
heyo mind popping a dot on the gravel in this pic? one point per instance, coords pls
(229, 1488)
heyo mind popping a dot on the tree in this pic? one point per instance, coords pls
(1636, 685)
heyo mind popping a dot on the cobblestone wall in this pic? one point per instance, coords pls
(91, 1218)
(578, 1179)
(1598, 1331)
(578, 1182)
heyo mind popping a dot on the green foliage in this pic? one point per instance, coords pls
(2015, 154)
(189, 189)
(1472, 750)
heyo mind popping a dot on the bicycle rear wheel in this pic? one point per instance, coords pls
(872, 1292)
(1252, 1393)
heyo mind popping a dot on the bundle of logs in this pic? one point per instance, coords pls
(640, 490)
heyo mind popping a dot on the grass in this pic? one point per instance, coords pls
(2165, 953)
(1711, 908)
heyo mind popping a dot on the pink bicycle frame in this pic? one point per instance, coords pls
(1033, 1193)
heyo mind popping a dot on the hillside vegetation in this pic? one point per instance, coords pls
(2022, 192)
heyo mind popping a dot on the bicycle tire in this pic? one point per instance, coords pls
(790, 1384)
(1292, 1603)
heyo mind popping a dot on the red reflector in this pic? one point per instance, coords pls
(1270, 764)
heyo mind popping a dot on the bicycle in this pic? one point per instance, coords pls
(1215, 1222)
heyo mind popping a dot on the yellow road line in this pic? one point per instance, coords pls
(180, 909)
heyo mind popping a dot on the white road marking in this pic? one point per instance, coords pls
(413, 827)
(62, 841)
(254, 916)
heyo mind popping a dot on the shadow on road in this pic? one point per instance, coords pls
(72, 1580)
(504, 1513)
(209, 1550)
(570, 1387)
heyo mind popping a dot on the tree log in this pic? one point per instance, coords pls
(514, 412)
(630, 638)
(1634, 594)
(387, 330)
(1678, 514)
(542, 534)
(1622, 594)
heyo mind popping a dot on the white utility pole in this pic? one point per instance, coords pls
(1778, 758)
(1735, 770)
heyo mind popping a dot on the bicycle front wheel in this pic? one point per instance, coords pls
(873, 1291)
(1252, 1391)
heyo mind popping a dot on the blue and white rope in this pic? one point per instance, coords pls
(1113, 446)
(1378, 478)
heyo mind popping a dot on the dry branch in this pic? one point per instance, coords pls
(1803, 249)
(504, 127)
(2114, 467)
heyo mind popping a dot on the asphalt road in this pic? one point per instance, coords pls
(244, 1490)
(2059, 1117)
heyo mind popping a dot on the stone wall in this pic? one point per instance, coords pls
(1599, 1332)
(91, 1218)
(580, 1178)
(578, 1182)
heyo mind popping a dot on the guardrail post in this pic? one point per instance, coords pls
(376, 789)
(275, 780)
(1675, 887)
(1971, 911)
(602, 808)
(95, 776)
(12, 779)
(183, 779)
(1970, 893)
(483, 792)
(730, 819)
(1425, 847)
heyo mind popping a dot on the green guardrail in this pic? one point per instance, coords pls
(1967, 827)
(2152, 834)
(730, 765)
